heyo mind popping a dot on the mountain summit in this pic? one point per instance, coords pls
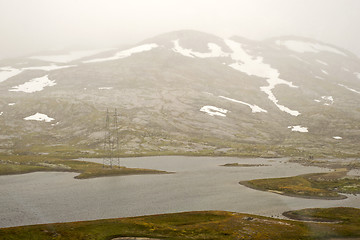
(187, 91)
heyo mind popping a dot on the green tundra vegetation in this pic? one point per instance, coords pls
(315, 185)
(20, 164)
(334, 223)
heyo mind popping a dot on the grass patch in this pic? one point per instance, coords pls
(316, 185)
(27, 164)
(116, 171)
(199, 225)
(340, 214)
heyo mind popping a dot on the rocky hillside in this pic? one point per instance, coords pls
(186, 92)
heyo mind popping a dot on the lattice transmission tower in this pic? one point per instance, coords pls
(111, 140)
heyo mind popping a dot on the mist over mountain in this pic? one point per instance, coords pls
(186, 91)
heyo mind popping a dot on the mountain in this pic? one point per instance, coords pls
(186, 92)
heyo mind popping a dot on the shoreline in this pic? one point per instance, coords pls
(246, 184)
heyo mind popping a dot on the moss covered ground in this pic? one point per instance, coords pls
(200, 225)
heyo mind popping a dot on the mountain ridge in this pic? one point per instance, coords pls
(190, 92)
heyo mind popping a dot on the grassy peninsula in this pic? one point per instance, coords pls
(20, 164)
(316, 185)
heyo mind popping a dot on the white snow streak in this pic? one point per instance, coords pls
(254, 108)
(325, 72)
(247, 64)
(8, 72)
(48, 68)
(1, 113)
(298, 128)
(302, 47)
(11, 104)
(215, 51)
(39, 117)
(71, 56)
(214, 111)
(337, 137)
(321, 62)
(105, 88)
(178, 49)
(244, 63)
(125, 53)
(353, 90)
(34, 85)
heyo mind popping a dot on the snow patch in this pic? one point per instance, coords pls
(178, 49)
(254, 108)
(345, 69)
(34, 85)
(337, 137)
(71, 56)
(321, 62)
(298, 128)
(327, 100)
(8, 72)
(325, 72)
(319, 77)
(302, 47)
(255, 66)
(1, 113)
(11, 104)
(54, 124)
(214, 111)
(125, 53)
(357, 74)
(105, 88)
(353, 90)
(48, 68)
(39, 117)
(215, 51)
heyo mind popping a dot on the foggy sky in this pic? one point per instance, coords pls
(28, 26)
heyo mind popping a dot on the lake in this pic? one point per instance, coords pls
(198, 184)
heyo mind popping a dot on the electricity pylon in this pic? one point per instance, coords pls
(111, 140)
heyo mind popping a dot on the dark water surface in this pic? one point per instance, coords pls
(198, 184)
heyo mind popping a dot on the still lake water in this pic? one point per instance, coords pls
(198, 184)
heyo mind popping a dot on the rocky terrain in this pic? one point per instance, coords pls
(186, 92)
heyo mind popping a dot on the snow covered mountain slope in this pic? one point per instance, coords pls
(188, 91)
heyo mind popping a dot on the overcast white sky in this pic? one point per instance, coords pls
(28, 26)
